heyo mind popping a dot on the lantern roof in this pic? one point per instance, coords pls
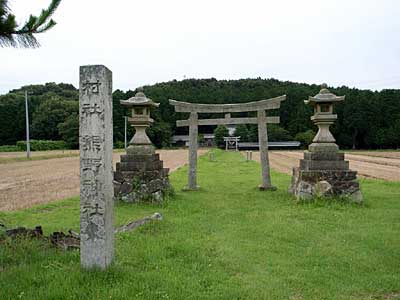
(324, 96)
(139, 99)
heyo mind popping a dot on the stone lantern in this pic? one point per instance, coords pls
(323, 171)
(140, 176)
(140, 119)
(323, 117)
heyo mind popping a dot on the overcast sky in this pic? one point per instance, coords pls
(340, 42)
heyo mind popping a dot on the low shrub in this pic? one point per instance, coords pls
(119, 145)
(42, 145)
(9, 148)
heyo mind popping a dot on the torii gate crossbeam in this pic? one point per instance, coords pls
(193, 122)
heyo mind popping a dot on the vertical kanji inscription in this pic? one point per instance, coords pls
(96, 186)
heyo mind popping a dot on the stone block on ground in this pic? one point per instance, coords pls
(141, 178)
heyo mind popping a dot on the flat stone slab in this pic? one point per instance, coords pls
(137, 157)
(323, 156)
(324, 165)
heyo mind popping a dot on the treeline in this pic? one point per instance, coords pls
(366, 119)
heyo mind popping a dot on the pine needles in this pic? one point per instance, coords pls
(11, 35)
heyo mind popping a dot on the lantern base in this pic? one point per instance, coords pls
(327, 174)
(140, 150)
(141, 178)
(323, 147)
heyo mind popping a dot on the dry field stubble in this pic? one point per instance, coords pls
(376, 165)
(26, 183)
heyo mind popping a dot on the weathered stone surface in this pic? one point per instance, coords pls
(155, 185)
(130, 158)
(117, 188)
(139, 165)
(118, 177)
(357, 197)
(126, 188)
(142, 178)
(322, 188)
(306, 184)
(96, 182)
(263, 147)
(193, 145)
(323, 156)
(140, 150)
(324, 165)
(323, 147)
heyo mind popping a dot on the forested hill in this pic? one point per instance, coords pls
(366, 119)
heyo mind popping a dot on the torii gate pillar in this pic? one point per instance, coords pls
(193, 132)
(193, 122)
(263, 145)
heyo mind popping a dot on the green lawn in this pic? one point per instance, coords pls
(226, 241)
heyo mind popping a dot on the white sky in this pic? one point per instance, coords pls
(340, 42)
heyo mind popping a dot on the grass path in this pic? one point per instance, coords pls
(226, 241)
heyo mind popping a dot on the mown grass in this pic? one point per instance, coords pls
(226, 241)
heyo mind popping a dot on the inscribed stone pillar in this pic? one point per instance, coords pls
(96, 174)
(193, 132)
(263, 144)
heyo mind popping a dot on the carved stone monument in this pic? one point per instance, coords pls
(96, 184)
(323, 171)
(140, 175)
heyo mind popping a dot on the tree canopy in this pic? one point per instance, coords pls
(366, 119)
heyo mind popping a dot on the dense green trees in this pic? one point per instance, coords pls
(366, 119)
(219, 133)
(69, 130)
(242, 131)
(49, 114)
(250, 133)
(305, 137)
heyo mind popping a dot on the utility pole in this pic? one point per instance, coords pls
(28, 146)
(126, 141)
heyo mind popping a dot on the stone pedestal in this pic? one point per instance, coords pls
(324, 173)
(141, 178)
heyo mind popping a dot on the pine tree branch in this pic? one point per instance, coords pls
(47, 13)
(24, 37)
(46, 27)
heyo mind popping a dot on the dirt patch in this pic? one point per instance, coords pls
(385, 167)
(387, 154)
(27, 183)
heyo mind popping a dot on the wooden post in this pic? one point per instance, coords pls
(263, 144)
(193, 132)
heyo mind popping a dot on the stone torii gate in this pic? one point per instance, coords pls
(193, 122)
